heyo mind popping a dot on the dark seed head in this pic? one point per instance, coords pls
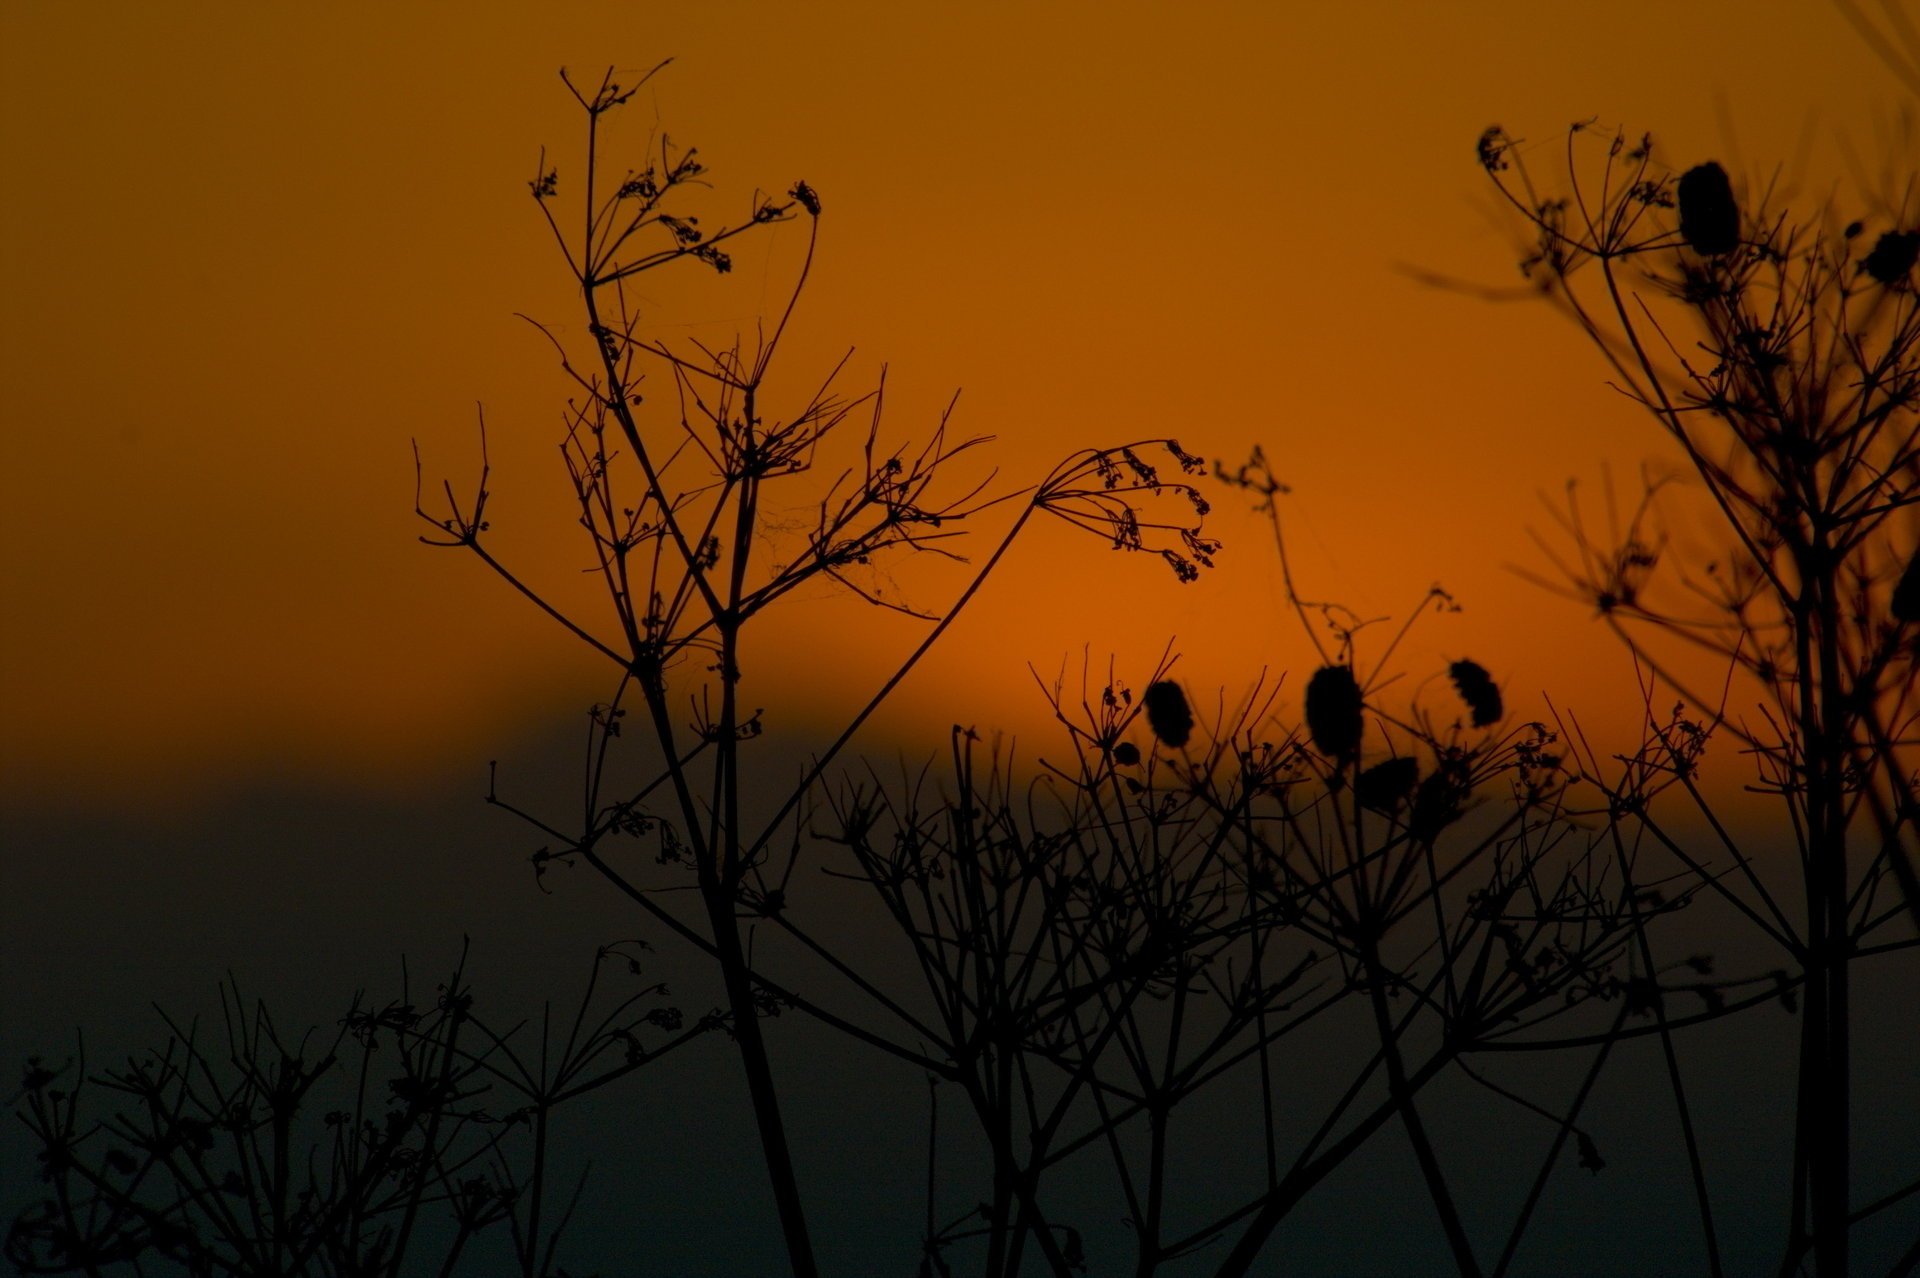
(1436, 805)
(1476, 688)
(1333, 711)
(1167, 713)
(1385, 785)
(1126, 754)
(1893, 256)
(1709, 219)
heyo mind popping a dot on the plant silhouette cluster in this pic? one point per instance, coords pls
(434, 1129)
(1781, 355)
(1321, 908)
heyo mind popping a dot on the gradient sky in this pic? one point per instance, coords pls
(251, 252)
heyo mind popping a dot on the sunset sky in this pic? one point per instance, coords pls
(252, 253)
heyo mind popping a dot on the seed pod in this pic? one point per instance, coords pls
(1906, 595)
(1126, 754)
(1167, 713)
(1893, 256)
(1436, 805)
(1709, 219)
(1385, 785)
(1475, 686)
(1333, 712)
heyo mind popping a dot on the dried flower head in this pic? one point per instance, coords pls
(1436, 804)
(1491, 148)
(1333, 711)
(1709, 218)
(1385, 785)
(1167, 713)
(1893, 256)
(1476, 688)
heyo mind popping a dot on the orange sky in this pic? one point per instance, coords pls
(249, 252)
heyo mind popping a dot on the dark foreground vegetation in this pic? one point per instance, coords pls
(1308, 921)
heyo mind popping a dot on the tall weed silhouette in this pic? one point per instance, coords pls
(1779, 351)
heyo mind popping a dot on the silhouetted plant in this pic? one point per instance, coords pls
(385, 1147)
(1093, 950)
(1782, 357)
(673, 498)
(1172, 910)
(1168, 713)
(1333, 712)
(1472, 909)
(1478, 690)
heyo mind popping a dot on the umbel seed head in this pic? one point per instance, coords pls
(1167, 713)
(1333, 712)
(1893, 256)
(1709, 219)
(1476, 688)
(1385, 785)
(1436, 805)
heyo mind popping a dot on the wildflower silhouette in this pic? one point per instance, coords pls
(1779, 358)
